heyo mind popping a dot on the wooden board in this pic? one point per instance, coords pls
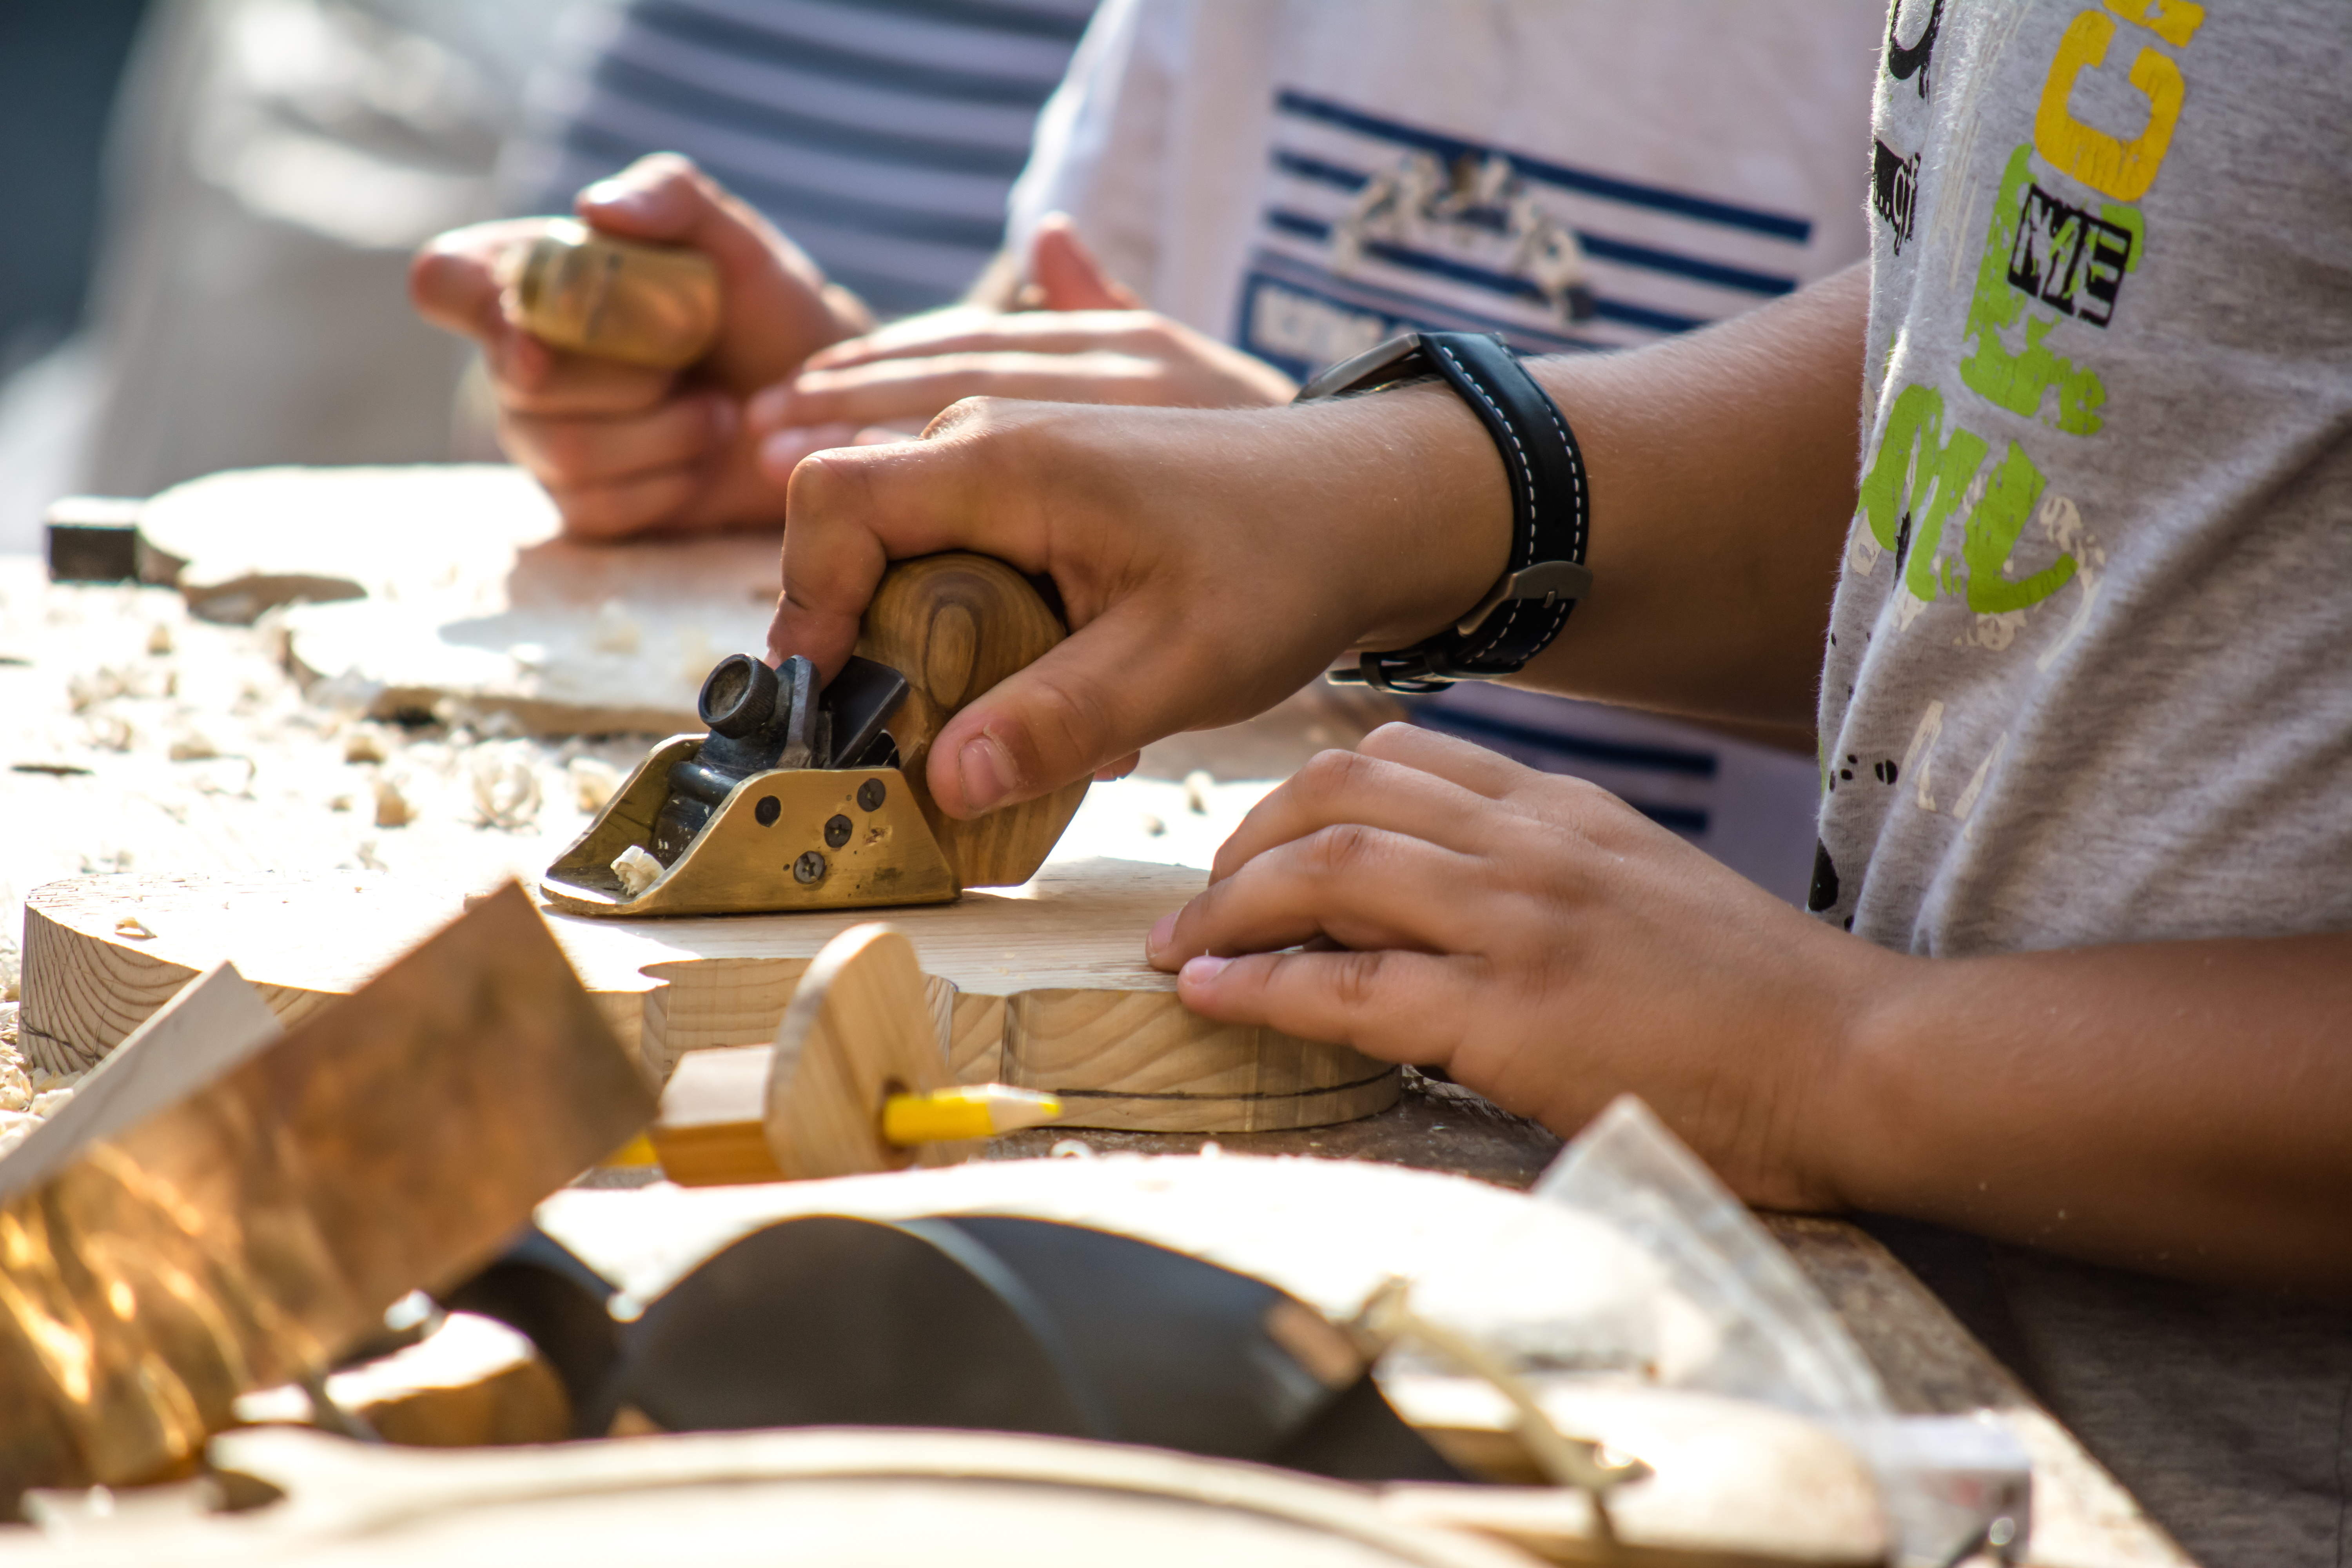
(448, 585)
(825, 1499)
(1052, 990)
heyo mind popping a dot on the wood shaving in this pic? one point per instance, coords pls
(594, 781)
(159, 640)
(110, 731)
(1197, 785)
(363, 745)
(368, 858)
(506, 787)
(392, 807)
(134, 928)
(1153, 826)
(189, 746)
(85, 691)
(636, 869)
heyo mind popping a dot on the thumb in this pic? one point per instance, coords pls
(1067, 274)
(1093, 699)
(771, 294)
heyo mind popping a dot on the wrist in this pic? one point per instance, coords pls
(1870, 1107)
(1414, 476)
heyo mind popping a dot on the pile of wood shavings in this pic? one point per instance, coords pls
(28, 1095)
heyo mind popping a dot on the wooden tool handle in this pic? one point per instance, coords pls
(954, 625)
(655, 305)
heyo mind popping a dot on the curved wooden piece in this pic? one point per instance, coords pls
(954, 625)
(1047, 989)
(859, 1029)
(987, 1499)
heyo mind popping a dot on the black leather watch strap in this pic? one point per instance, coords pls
(1550, 509)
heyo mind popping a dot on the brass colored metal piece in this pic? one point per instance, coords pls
(257, 1228)
(653, 305)
(755, 856)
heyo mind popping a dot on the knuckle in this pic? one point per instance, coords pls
(824, 484)
(1332, 774)
(1356, 980)
(1070, 719)
(1343, 847)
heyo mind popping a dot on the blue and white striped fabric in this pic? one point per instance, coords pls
(881, 135)
(1373, 225)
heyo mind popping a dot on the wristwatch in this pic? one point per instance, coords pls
(1550, 509)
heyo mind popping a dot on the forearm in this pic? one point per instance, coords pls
(2180, 1109)
(1723, 472)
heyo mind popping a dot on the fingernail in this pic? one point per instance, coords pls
(985, 769)
(1201, 970)
(619, 195)
(1163, 931)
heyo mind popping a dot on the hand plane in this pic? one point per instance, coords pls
(809, 798)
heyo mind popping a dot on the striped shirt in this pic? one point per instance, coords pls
(881, 135)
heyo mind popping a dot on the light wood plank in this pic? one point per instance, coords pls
(1083, 1014)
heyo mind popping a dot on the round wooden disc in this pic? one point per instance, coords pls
(858, 1030)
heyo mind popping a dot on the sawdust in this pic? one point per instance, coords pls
(28, 1095)
(392, 804)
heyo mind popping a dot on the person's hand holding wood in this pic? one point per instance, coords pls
(2173, 1107)
(623, 448)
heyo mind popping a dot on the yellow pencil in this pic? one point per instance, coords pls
(976, 1111)
(637, 1154)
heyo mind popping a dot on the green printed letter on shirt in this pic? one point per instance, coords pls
(2018, 379)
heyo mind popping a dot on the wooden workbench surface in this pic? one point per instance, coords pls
(205, 759)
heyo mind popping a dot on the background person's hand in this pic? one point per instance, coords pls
(1211, 562)
(1540, 941)
(622, 448)
(1087, 340)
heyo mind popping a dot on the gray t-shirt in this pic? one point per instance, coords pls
(2090, 667)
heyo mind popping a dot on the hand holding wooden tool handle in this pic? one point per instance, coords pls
(954, 625)
(653, 305)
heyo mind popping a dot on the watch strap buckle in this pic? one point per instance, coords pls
(1550, 582)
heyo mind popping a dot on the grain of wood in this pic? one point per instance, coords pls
(859, 1029)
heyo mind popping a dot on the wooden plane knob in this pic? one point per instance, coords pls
(954, 625)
